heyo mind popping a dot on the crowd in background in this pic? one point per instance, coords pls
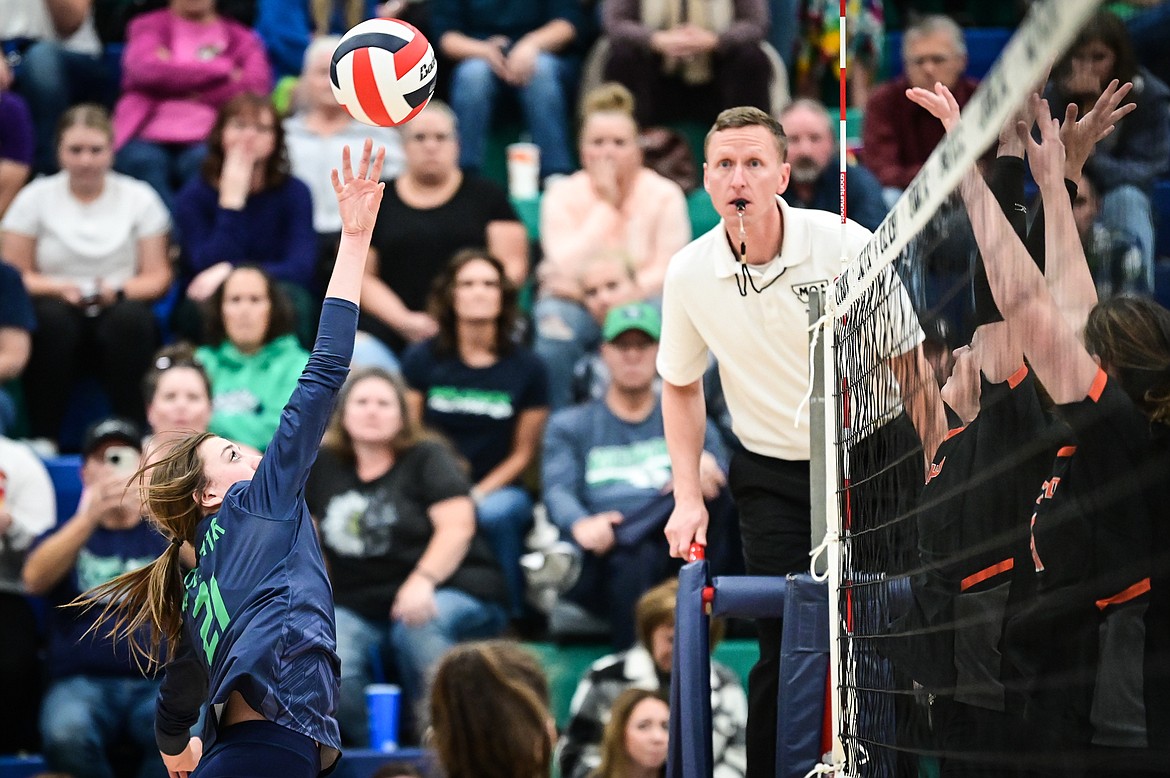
(166, 226)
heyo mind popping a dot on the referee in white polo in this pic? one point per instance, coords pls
(741, 294)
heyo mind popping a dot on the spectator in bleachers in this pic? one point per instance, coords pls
(253, 358)
(1123, 165)
(399, 534)
(899, 136)
(181, 65)
(17, 141)
(489, 713)
(28, 508)
(1114, 258)
(288, 28)
(606, 205)
(315, 135)
(607, 280)
(485, 392)
(688, 60)
(91, 245)
(429, 213)
(16, 325)
(97, 695)
(177, 391)
(606, 476)
(636, 736)
(522, 45)
(647, 666)
(815, 180)
(246, 209)
(58, 62)
(818, 57)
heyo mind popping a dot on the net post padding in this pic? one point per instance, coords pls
(802, 603)
(690, 752)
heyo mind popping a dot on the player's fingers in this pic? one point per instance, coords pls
(364, 162)
(346, 164)
(336, 180)
(700, 536)
(379, 160)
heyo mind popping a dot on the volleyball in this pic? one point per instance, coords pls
(383, 72)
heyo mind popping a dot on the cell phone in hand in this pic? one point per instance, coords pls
(123, 460)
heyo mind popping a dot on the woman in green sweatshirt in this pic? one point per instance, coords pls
(256, 359)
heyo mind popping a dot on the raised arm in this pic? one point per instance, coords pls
(1065, 270)
(276, 488)
(1020, 292)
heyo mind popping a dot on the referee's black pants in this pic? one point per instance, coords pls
(772, 496)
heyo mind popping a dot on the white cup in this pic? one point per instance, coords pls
(523, 171)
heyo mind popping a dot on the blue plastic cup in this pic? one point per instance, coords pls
(382, 702)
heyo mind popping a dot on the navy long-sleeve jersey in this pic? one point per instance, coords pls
(258, 617)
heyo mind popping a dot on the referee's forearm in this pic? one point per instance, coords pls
(684, 422)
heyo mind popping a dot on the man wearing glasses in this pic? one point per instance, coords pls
(898, 136)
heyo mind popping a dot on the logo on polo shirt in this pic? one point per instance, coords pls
(803, 291)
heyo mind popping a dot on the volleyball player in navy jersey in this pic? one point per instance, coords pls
(250, 629)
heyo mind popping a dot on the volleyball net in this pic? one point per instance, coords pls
(906, 693)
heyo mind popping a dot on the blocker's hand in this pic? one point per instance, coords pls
(941, 104)
(359, 196)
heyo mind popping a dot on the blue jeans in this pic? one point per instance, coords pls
(1127, 210)
(82, 715)
(416, 649)
(52, 78)
(543, 100)
(165, 166)
(505, 516)
(565, 332)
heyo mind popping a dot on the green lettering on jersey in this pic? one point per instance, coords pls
(213, 534)
(215, 616)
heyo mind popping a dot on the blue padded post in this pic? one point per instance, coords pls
(749, 597)
(690, 754)
(804, 661)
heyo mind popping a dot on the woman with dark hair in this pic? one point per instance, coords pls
(1124, 165)
(636, 736)
(91, 245)
(489, 713)
(398, 531)
(253, 359)
(246, 209)
(485, 392)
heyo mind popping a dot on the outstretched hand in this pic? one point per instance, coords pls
(359, 196)
(941, 104)
(1079, 137)
(1047, 157)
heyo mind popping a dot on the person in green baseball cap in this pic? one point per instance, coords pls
(632, 317)
(607, 478)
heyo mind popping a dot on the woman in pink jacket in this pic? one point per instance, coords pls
(181, 64)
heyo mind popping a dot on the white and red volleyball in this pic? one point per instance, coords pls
(383, 72)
